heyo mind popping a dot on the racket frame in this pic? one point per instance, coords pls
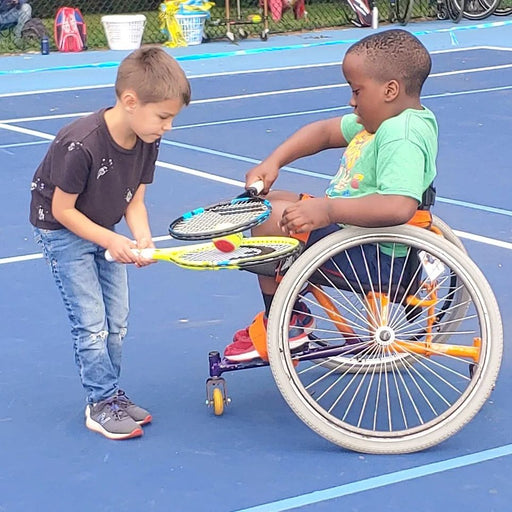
(250, 195)
(226, 260)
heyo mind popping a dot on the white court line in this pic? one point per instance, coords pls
(233, 73)
(229, 181)
(201, 174)
(38, 256)
(26, 131)
(4, 122)
(275, 93)
(195, 172)
(286, 91)
(291, 169)
(461, 234)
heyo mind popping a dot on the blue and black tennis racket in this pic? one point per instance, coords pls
(223, 218)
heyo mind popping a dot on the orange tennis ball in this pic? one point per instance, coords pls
(228, 243)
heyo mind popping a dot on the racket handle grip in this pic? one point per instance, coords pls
(255, 189)
(145, 253)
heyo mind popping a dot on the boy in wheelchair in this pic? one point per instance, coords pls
(388, 165)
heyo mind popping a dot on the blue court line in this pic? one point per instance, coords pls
(381, 481)
(255, 51)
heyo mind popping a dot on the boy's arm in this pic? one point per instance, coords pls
(64, 210)
(137, 219)
(374, 210)
(308, 140)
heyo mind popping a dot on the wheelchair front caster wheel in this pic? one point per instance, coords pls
(216, 395)
(218, 402)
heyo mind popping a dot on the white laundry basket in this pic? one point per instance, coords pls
(192, 26)
(124, 31)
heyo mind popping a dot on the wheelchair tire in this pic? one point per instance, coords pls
(385, 407)
(457, 302)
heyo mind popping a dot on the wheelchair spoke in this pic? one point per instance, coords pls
(406, 342)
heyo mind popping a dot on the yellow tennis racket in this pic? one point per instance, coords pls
(252, 251)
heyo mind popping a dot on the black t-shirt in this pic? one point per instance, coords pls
(84, 159)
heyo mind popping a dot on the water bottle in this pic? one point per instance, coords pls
(375, 17)
(45, 45)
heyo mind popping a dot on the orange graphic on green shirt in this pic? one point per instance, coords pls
(344, 177)
(353, 151)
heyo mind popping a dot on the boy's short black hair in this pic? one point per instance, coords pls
(396, 55)
(153, 75)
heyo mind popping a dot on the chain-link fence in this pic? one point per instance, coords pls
(312, 14)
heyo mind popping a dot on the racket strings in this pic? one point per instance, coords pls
(252, 252)
(240, 213)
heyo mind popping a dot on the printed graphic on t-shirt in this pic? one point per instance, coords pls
(106, 166)
(344, 180)
(74, 145)
(39, 185)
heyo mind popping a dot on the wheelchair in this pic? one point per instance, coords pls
(405, 348)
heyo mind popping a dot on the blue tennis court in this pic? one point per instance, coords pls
(257, 456)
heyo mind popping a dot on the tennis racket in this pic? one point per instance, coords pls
(252, 251)
(223, 218)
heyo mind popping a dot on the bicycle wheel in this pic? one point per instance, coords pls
(417, 392)
(404, 10)
(455, 9)
(504, 8)
(477, 9)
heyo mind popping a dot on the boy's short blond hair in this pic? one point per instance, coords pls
(395, 55)
(153, 75)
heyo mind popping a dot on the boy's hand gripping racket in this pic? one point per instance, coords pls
(252, 251)
(224, 218)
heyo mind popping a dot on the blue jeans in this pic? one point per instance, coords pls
(95, 294)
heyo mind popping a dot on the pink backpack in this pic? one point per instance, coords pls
(70, 30)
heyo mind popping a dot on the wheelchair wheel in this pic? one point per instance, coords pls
(456, 301)
(373, 378)
(451, 309)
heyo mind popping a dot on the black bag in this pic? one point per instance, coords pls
(34, 29)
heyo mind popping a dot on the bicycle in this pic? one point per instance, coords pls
(478, 9)
(445, 9)
(503, 10)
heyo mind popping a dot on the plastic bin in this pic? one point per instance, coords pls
(124, 31)
(192, 26)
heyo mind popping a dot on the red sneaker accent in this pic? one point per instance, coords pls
(242, 349)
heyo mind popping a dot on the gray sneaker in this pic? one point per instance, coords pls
(110, 419)
(136, 413)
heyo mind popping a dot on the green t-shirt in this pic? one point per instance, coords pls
(399, 158)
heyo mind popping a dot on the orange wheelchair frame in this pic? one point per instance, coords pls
(388, 381)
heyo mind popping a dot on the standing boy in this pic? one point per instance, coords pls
(391, 141)
(94, 174)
